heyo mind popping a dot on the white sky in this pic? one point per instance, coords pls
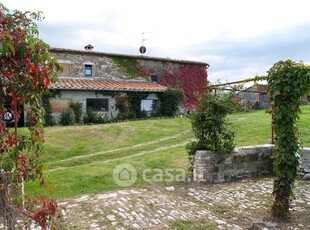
(238, 38)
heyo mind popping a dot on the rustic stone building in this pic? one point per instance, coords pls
(92, 77)
(255, 97)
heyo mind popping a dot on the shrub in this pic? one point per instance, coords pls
(66, 118)
(209, 124)
(102, 118)
(134, 99)
(95, 118)
(48, 117)
(90, 116)
(170, 100)
(122, 105)
(77, 110)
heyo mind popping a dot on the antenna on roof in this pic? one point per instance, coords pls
(142, 48)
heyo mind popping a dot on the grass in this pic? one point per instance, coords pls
(81, 159)
(191, 225)
(66, 142)
(98, 177)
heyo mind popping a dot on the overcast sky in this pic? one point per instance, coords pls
(238, 38)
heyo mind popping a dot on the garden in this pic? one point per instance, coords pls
(80, 160)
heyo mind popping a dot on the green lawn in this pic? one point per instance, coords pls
(81, 159)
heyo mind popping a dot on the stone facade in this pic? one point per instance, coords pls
(61, 103)
(244, 162)
(98, 66)
(105, 67)
(255, 97)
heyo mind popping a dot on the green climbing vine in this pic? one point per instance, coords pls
(127, 65)
(287, 82)
(134, 99)
(170, 101)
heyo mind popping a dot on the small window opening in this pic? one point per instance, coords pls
(88, 70)
(154, 78)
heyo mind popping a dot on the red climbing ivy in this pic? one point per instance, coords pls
(190, 79)
(26, 69)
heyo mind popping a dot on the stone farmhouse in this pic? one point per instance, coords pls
(93, 77)
(255, 97)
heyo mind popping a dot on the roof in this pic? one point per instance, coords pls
(256, 88)
(84, 52)
(89, 84)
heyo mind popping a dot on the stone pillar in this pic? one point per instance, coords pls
(305, 163)
(203, 166)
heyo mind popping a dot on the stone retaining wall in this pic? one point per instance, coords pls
(244, 162)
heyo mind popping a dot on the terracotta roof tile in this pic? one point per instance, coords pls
(89, 84)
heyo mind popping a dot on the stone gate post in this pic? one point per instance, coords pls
(203, 166)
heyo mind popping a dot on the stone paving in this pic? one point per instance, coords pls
(239, 205)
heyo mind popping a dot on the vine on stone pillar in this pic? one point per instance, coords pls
(287, 82)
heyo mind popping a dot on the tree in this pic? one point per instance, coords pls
(287, 82)
(26, 69)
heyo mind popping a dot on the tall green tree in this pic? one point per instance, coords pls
(26, 69)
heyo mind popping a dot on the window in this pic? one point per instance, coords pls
(98, 104)
(154, 78)
(88, 70)
(66, 69)
(149, 105)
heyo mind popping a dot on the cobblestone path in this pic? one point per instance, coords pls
(239, 205)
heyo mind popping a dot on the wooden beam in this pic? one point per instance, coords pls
(227, 83)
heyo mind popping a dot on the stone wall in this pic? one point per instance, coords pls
(104, 66)
(255, 97)
(244, 162)
(305, 167)
(62, 104)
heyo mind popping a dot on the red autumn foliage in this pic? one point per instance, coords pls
(22, 166)
(11, 140)
(41, 210)
(26, 70)
(45, 212)
(190, 79)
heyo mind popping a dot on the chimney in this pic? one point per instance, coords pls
(89, 47)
